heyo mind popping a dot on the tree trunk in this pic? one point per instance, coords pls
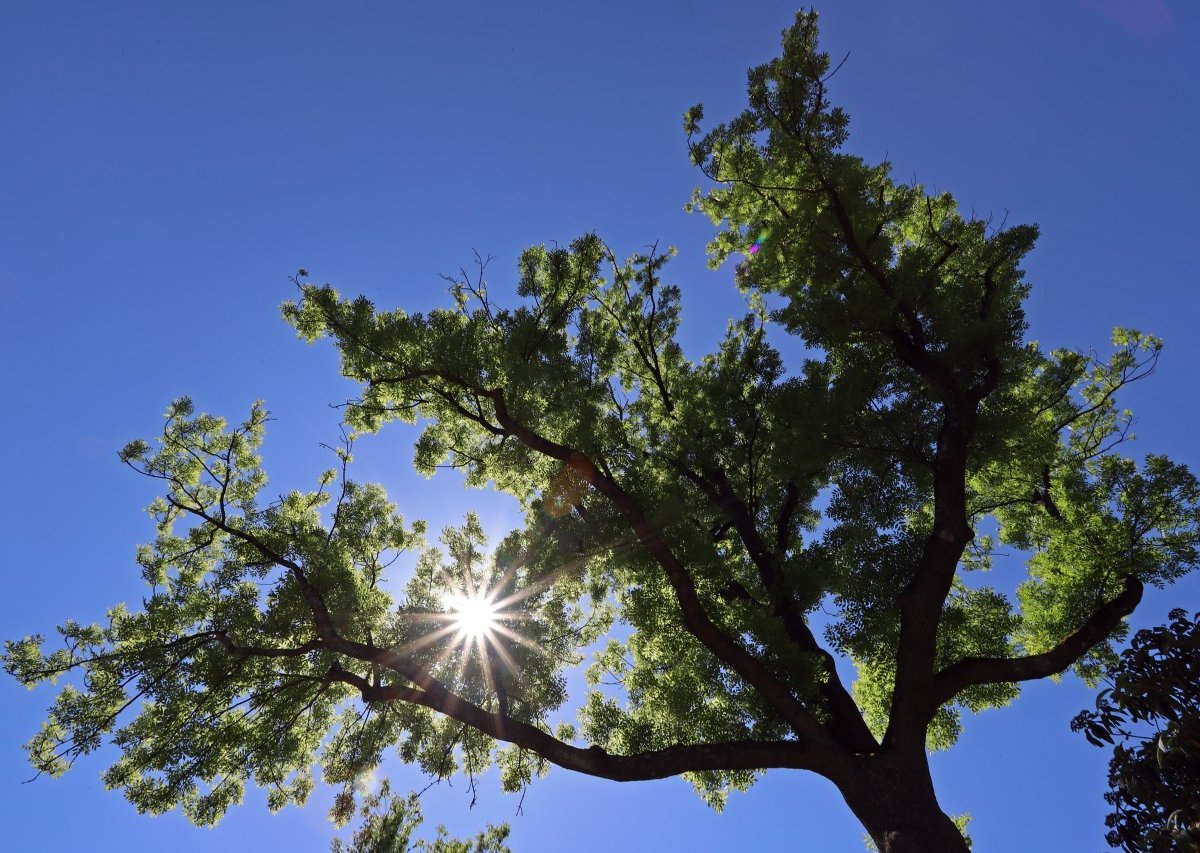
(894, 799)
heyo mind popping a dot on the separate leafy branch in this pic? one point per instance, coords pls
(388, 823)
(684, 518)
(1150, 712)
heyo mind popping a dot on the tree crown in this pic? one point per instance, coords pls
(685, 518)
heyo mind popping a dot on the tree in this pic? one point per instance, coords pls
(1151, 706)
(685, 520)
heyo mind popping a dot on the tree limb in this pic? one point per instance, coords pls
(847, 725)
(595, 761)
(978, 670)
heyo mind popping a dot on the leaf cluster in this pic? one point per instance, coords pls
(388, 823)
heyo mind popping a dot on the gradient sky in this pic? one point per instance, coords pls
(165, 166)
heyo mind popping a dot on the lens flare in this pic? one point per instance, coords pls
(473, 615)
(758, 243)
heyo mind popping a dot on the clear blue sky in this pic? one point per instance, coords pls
(165, 166)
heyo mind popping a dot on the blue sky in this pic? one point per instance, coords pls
(165, 166)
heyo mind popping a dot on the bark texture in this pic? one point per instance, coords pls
(894, 799)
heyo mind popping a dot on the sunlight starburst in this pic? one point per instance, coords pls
(473, 615)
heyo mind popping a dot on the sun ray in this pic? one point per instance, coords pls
(518, 638)
(497, 649)
(429, 639)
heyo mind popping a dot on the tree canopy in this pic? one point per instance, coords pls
(688, 522)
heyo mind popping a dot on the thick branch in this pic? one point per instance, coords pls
(595, 761)
(847, 725)
(783, 524)
(1098, 627)
(922, 601)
